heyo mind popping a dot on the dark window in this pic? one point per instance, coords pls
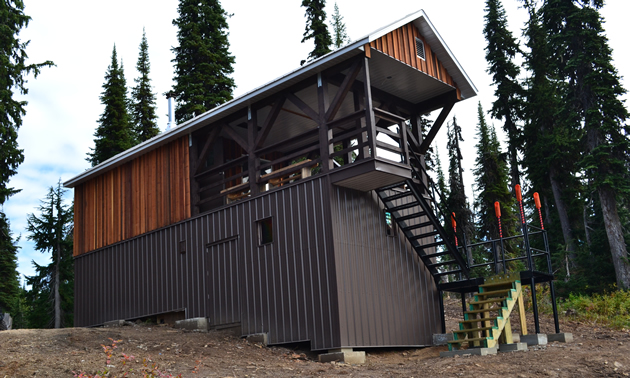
(265, 231)
(420, 48)
(389, 222)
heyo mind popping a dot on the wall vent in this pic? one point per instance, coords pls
(420, 48)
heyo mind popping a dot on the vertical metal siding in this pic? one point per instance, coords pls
(386, 295)
(286, 288)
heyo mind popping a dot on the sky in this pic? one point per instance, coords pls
(78, 36)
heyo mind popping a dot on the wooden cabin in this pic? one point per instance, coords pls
(300, 209)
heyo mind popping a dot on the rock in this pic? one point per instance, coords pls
(5, 322)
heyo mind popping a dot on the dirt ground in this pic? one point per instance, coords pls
(595, 352)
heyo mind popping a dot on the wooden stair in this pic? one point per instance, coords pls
(487, 322)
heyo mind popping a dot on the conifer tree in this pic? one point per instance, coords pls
(456, 200)
(202, 60)
(9, 284)
(142, 97)
(491, 179)
(340, 36)
(52, 286)
(501, 49)
(114, 133)
(550, 143)
(593, 101)
(13, 72)
(316, 29)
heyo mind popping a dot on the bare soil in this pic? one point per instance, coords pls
(595, 352)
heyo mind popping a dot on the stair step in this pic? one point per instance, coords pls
(410, 216)
(397, 185)
(495, 292)
(477, 320)
(430, 245)
(425, 235)
(405, 206)
(495, 284)
(397, 196)
(415, 226)
(484, 310)
(437, 254)
(493, 300)
(469, 340)
(441, 263)
(439, 274)
(474, 329)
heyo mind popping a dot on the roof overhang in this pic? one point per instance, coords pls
(420, 20)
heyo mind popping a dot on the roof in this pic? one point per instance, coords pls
(419, 19)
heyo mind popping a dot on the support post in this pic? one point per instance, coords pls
(441, 302)
(554, 307)
(370, 122)
(252, 160)
(535, 305)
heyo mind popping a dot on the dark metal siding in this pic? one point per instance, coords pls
(287, 288)
(386, 295)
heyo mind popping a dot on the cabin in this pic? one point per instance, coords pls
(301, 210)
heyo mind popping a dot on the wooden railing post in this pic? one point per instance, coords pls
(369, 112)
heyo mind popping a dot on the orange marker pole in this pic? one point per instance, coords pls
(537, 201)
(454, 224)
(497, 212)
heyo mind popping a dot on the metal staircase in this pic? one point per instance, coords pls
(413, 207)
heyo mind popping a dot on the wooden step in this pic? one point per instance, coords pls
(484, 310)
(469, 340)
(495, 292)
(474, 329)
(476, 320)
(492, 300)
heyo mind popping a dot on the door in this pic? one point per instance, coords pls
(222, 280)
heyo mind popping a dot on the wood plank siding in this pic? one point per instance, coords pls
(147, 193)
(400, 44)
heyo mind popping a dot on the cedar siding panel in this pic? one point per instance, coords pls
(400, 44)
(140, 196)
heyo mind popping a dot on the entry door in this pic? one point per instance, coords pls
(222, 280)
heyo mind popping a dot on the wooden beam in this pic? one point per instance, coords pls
(271, 119)
(343, 90)
(234, 135)
(308, 111)
(212, 137)
(436, 102)
(370, 121)
(252, 159)
(424, 147)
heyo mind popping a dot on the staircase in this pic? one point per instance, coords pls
(487, 322)
(414, 209)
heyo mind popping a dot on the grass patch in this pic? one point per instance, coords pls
(611, 309)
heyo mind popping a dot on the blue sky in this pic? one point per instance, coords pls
(265, 38)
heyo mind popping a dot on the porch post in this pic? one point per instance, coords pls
(370, 122)
(252, 159)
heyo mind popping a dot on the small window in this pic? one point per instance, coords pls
(389, 222)
(265, 231)
(420, 48)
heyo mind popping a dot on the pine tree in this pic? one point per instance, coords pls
(501, 49)
(202, 60)
(9, 284)
(114, 133)
(593, 101)
(340, 36)
(142, 97)
(456, 200)
(13, 72)
(491, 179)
(316, 29)
(550, 143)
(51, 232)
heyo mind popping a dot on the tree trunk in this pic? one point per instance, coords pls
(510, 127)
(57, 301)
(615, 236)
(563, 214)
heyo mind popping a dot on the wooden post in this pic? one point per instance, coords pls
(370, 122)
(194, 185)
(252, 160)
(325, 135)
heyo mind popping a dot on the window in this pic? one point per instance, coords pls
(265, 231)
(389, 222)
(420, 48)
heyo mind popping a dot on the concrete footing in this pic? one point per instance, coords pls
(257, 338)
(535, 339)
(193, 324)
(514, 347)
(471, 351)
(114, 323)
(442, 338)
(560, 337)
(346, 355)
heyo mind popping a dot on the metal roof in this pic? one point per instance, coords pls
(420, 20)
